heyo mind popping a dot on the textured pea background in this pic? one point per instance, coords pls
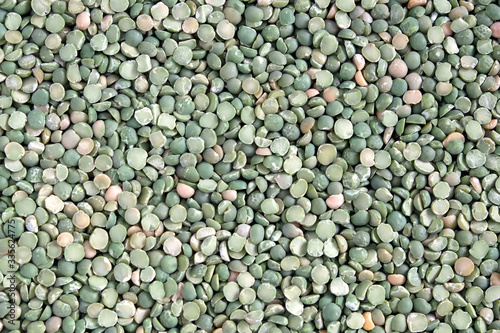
(267, 166)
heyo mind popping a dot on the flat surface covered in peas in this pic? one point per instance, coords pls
(269, 166)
